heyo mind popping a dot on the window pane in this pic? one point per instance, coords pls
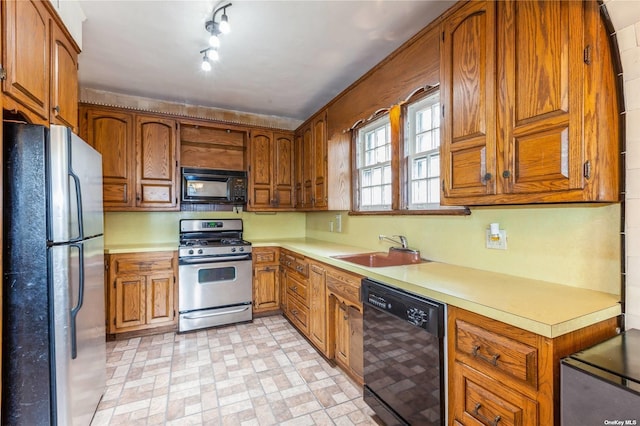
(419, 192)
(387, 194)
(381, 136)
(366, 196)
(387, 175)
(434, 166)
(366, 177)
(419, 168)
(377, 176)
(434, 191)
(376, 195)
(436, 137)
(370, 143)
(436, 115)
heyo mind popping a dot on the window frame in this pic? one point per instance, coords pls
(399, 169)
(359, 135)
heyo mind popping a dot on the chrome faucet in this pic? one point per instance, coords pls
(402, 240)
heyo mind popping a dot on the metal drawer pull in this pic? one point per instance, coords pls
(294, 288)
(483, 419)
(215, 314)
(493, 360)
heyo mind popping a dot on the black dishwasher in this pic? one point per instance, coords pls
(404, 361)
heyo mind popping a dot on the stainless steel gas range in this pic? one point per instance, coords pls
(215, 274)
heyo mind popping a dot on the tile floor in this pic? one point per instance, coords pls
(263, 373)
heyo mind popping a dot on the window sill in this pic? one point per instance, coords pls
(434, 212)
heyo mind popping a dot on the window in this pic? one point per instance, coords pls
(374, 165)
(422, 153)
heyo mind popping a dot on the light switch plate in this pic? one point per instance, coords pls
(499, 244)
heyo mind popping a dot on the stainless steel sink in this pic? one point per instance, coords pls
(380, 259)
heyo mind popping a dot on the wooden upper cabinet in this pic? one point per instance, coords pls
(320, 198)
(312, 160)
(271, 174)
(64, 80)
(530, 104)
(111, 134)
(541, 88)
(26, 57)
(260, 171)
(468, 99)
(284, 185)
(156, 163)
(307, 167)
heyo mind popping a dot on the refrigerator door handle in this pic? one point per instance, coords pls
(76, 309)
(76, 181)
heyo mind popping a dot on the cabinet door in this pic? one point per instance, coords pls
(342, 333)
(298, 172)
(160, 298)
(468, 98)
(541, 74)
(64, 79)
(307, 168)
(320, 161)
(260, 171)
(356, 344)
(128, 301)
(156, 160)
(283, 178)
(111, 134)
(26, 40)
(266, 291)
(317, 308)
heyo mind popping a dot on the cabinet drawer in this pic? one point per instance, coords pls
(494, 353)
(298, 314)
(344, 285)
(126, 264)
(302, 267)
(487, 402)
(264, 255)
(298, 288)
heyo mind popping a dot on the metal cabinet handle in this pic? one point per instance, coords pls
(476, 354)
(294, 288)
(483, 419)
(487, 177)
(56, 109)
(506, 174)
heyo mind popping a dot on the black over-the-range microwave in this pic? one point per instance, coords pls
(206, 186)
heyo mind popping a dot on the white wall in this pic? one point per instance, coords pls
(625, 16)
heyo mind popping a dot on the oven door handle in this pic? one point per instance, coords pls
(212, 259)
(215, 314)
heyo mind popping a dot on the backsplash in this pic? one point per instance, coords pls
(572, 245)
(162, 227)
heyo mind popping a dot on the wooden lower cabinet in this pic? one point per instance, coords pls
(345, 321)
(500, 374)
(266, 279)
(142, 291)
(318, 306)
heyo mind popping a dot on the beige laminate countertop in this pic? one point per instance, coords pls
(544, 308)
(137, 248)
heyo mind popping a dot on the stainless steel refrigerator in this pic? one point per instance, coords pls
(54, 350)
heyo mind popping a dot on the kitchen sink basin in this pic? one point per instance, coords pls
(380, 259)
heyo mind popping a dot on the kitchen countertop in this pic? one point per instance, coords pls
(545, 308)
(137, 248)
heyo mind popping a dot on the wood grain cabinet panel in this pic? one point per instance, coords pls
(498, 370)
(318, 306)
(271, 174)
(26, 56)
(320, 197)
(524, 121)
(156, 163)
(468, 80)
(139, 158)
(111, 134)
(266, 279)
(142, 291)
(64, 80)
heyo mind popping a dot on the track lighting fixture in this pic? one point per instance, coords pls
(215, 29)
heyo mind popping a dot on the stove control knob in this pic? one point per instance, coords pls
(233, 249)
(241, 249)
(200, 251)
(190, 251)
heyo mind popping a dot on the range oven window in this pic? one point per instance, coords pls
(216, 274)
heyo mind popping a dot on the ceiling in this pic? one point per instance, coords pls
(282, 58)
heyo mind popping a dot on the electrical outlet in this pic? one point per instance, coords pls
(496, 243)
(338, 223)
